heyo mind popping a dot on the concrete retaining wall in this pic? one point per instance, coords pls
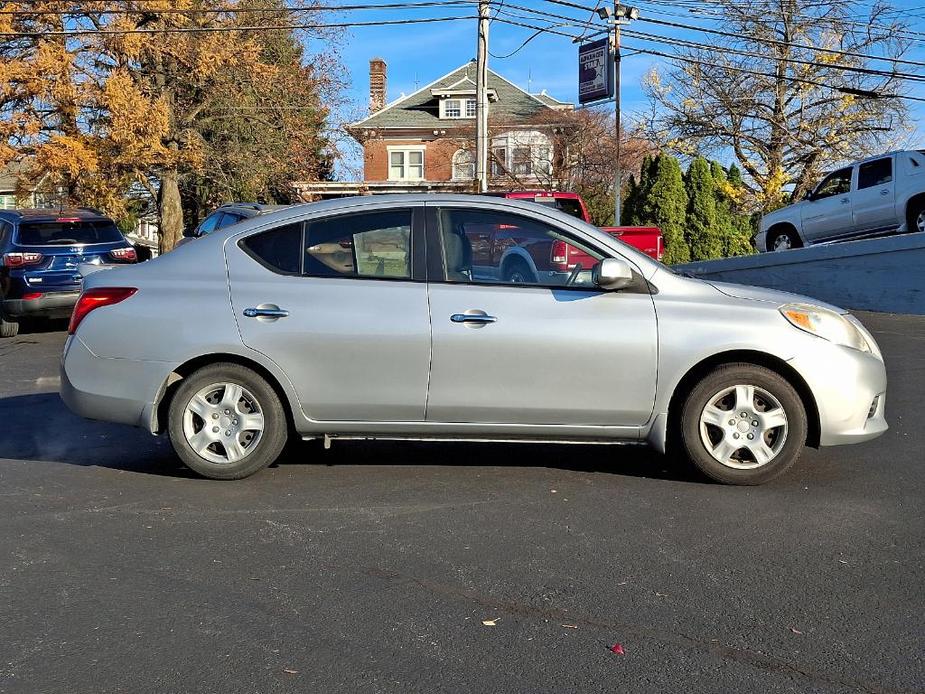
(885, 274)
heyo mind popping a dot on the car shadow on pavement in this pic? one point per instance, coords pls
(39, 427)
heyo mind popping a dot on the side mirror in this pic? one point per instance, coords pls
(612, 274)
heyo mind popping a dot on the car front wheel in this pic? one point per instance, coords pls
(783, 240)
(743, 424)
(226, 422)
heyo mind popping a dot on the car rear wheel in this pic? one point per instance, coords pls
(518, 272)
(743, 424)
(784, 239)
(226, 422)
(8, 328)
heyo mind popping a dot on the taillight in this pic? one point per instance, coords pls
(559, 253)
(128, 254)
(21, 259)
(94, 299)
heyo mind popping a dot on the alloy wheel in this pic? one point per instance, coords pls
(223, 422)
(743, 427)
(783, 242)
(920, 221)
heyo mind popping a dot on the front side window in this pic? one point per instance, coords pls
(227, 220)
(406, 164)
(209, 223)
(483, 247)
(875, 173)
(837, 183)
(372, 244)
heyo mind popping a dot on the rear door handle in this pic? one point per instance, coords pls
(476, 317)
(266, 312)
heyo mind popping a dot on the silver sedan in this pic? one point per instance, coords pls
(399, 317)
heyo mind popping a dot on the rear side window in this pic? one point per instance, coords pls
(279, 249)
(372, 244)
(67, 233)
(875, 173)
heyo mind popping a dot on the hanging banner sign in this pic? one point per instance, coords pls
(595, 71)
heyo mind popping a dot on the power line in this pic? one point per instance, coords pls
(844, 90)
(717, 32)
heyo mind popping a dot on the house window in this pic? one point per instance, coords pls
(406, 164)
(522, 154)
(463, 166)
(457, 108)
(498, 161)
(452, 108)
(7, 202)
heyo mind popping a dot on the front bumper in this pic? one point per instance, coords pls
(850, 392)
(49, 305)
(124, 391)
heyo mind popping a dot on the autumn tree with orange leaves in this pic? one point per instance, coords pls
(181, 97)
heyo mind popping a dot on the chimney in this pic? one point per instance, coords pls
(377, 84)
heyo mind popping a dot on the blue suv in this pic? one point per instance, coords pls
(39, 254)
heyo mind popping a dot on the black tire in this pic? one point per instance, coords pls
(266, 449)
(8, 328)
(518, 272)
(915, 209)
(743, 374)
(789, 234)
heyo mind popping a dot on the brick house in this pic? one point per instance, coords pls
(425, 141)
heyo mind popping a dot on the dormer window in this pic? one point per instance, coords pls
(457, 108)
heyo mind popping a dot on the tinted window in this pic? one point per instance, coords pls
(4, 232)
(227, 220)
(279, 249)
(875, 173)
(209, 223)
(498, 248)
(837, 183)
(67, 233)
(372, 244)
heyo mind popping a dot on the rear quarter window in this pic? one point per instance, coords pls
(278, 249)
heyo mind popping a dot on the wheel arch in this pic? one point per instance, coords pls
(911, 204)
(769, 361)
(187, 368)
(781, 226)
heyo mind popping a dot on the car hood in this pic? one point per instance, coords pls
(782, 214)
(741, 291)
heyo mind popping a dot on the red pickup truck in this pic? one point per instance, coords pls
(646, 239)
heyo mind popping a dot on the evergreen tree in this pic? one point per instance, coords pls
(705, 241)
(742, 226)
(663, 202)
(725, 206)
(630, 201)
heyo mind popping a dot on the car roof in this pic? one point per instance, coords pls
(54, 214)
(249, 209)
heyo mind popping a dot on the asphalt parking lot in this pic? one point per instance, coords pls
(395, 567)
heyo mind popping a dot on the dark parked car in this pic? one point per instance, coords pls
(226, 215)
(39, 254)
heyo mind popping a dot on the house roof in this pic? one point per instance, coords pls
(421, 109)
(11, 173)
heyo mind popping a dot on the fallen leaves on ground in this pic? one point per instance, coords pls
(491, 622)
(617, 648)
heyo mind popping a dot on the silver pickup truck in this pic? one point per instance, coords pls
(875, 196)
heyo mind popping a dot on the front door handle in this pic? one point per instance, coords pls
(844, 201)
(473, 316)
(271, 311)
(885, 191)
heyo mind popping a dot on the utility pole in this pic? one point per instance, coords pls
(618, 174)
(481, 95)
(621, 15)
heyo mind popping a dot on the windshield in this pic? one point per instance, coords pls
(68, 233)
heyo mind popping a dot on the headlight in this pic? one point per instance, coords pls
(826, 324)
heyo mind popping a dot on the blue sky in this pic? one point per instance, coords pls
(419, 54)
